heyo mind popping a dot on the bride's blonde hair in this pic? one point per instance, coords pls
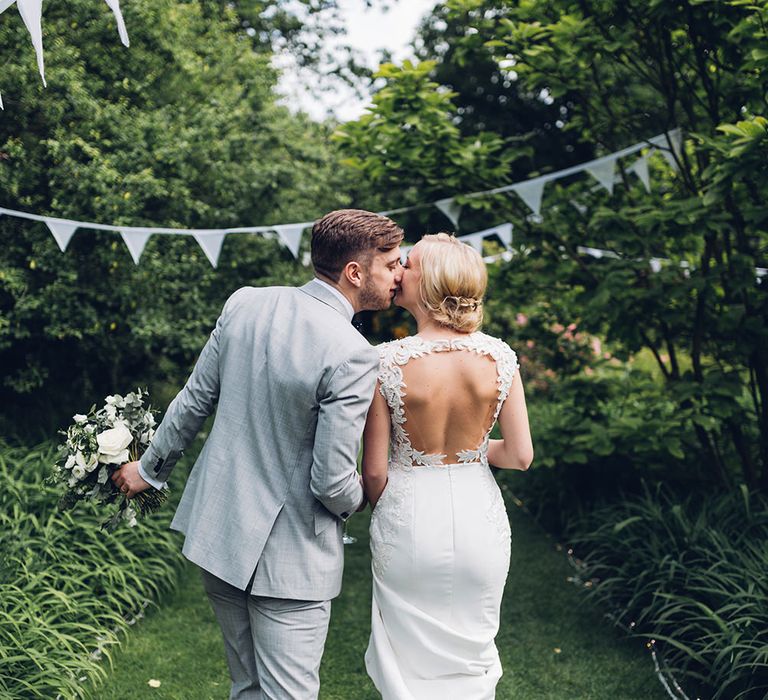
(453, 282)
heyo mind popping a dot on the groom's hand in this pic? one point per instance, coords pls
(128, 479)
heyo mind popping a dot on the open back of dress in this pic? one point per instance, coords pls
(449, 402)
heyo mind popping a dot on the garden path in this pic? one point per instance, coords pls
(554, 645)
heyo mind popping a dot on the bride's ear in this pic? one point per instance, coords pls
(353, 273)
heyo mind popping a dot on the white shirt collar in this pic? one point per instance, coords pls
(347, 305)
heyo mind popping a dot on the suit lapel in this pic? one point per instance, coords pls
(314, 289)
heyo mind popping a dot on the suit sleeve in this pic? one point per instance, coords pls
(341, 417)
(188, 411)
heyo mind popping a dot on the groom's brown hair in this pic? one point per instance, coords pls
(351, 234)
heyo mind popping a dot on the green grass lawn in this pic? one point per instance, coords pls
(180, 646)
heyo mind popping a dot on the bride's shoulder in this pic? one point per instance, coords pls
(495, 345)
(399, 351)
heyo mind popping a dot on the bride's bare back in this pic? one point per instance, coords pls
(449, 401)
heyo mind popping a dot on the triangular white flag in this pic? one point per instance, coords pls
(531, 192)
(670, 145)
(640, 168)
(673, 154)
(211, 244)
(475, 240)
(603, 172)
(114, 5)
(504, 232)
(135, 240)
(290, 235)
(451, 208)
(31, 12)
(62, 231)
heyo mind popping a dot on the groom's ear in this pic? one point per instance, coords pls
(353, 273)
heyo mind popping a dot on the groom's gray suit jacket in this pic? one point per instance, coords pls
(293, 381)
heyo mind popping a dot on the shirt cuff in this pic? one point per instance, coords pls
(159, 485)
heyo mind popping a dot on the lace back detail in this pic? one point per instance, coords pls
(394, 355)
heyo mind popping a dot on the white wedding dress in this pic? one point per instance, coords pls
(440, 543)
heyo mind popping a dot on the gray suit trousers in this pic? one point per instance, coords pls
(273, 646)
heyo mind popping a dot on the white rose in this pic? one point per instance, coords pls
(79, 418)
(70, 462)
(78, 472)
(113, 444)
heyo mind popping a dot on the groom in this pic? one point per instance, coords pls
(263, 507)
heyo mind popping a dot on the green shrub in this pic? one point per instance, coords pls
(692, 576)
(596, 437)
(67, 588)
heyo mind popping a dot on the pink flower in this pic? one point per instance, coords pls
(589, 371)
(558, 327)
(530, 344)
(597, 346)
(521, 319)
(571, 327)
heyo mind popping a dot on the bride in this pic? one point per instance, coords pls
(440, 536)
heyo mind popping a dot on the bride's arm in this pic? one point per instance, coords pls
(515, 449)
(376, 448)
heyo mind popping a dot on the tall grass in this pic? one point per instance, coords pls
(67, 588)
(692, 575)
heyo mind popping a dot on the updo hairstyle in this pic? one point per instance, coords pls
(453, 282)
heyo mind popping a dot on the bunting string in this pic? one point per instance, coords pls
(290, 234)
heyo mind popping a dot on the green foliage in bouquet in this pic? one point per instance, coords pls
(691, 576)
(67, 589)
(96, 445)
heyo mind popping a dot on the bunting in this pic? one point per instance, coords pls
(135, 240)
(62, 231)
(655, 263)
(604, 171)
(31, 12)
(290, 234)
(210, 242)
(451, 208)
(670, 145)
(531, 193)
(640, 168)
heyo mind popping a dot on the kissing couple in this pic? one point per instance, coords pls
(294, 386)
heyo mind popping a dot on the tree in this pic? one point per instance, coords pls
(180, 130)
(488, 96)
(630, 70)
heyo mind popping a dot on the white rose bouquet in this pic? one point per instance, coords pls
(96, 445)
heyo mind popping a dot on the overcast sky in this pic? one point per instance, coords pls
(367, 30)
